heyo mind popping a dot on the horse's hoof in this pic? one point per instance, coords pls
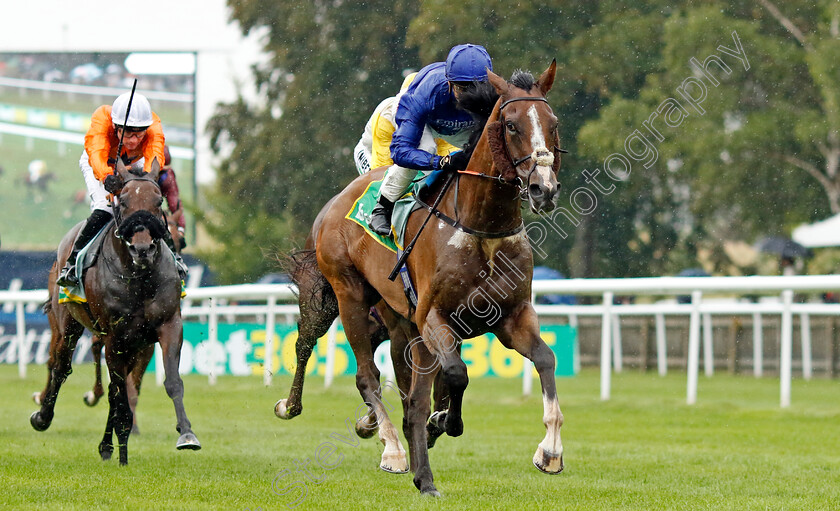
(454, 425)
(435, 427)
(282, 411)
(38, 423)
(364, 428)
(90, 398)
(135, 430)
(105, 452)
(36, 396)
(188, 441)
(548, 462)
(430, 493)
(394, 463)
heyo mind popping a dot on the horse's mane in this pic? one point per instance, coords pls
(139, 221)
(479, 102)
(523, 80)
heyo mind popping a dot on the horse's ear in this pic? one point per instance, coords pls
(499, 83)
(547, 78)
(120, 169)
(155, 171)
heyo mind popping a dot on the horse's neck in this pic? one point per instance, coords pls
(486, 204)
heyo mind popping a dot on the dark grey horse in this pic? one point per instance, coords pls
(133, 301)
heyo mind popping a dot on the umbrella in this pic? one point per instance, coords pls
(783, 247)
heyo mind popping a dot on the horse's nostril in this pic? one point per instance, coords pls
(536, 191)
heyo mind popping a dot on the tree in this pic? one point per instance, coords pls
(727, 157)
(330, 64)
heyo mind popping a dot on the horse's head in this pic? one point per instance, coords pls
(139, 219)
(524, 139)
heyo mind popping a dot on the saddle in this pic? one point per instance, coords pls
(403, 208)
(85, 259)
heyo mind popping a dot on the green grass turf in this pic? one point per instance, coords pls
(644, 449)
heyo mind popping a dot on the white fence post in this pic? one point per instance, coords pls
(618, 354)
(758, 345)
(606, 345)
(693, 360)
(269, 340)
(527, 376)
(573, 322)
(708, 347)
(213, 334)
(787, 348)
(805, 329)
(159, 370)
(22, 348)
(661, 345)
(331, 339)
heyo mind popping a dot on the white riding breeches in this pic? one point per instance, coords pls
(96, 190)
(397, 178)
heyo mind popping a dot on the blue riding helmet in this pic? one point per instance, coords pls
(468, 63)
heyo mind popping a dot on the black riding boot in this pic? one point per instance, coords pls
(179, 261)
(95, 222)
(380, 217)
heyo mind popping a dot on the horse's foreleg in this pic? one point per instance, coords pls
(63, 342)
(522, 332)
(92, 397)
(418, 403)
(444, 343)
(171, 336)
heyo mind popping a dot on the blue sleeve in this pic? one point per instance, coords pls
(411, 121)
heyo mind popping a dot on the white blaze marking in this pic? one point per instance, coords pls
(537, 140)
(538, 143)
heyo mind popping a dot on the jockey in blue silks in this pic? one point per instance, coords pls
(428, 111)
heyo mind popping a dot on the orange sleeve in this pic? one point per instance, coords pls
(153, 144)
(98, 141)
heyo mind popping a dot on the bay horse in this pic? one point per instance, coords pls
(135, 377)
(133, 300)
(472, 271)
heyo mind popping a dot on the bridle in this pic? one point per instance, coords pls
(118, 218)
(538, 156)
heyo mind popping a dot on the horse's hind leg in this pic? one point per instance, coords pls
(91, 397)
(354, 317)
(521, 331)
(318, 310)
(171, 336)
(64, 337)
(119, 413)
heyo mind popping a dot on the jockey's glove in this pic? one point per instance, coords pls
(454, 161)
(113, 184)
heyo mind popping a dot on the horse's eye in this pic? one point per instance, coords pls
(160, 202)
(510, 126)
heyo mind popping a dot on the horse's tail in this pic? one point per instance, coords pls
(313, 288)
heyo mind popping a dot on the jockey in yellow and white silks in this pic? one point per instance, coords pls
(425, 111)
(374, 148)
